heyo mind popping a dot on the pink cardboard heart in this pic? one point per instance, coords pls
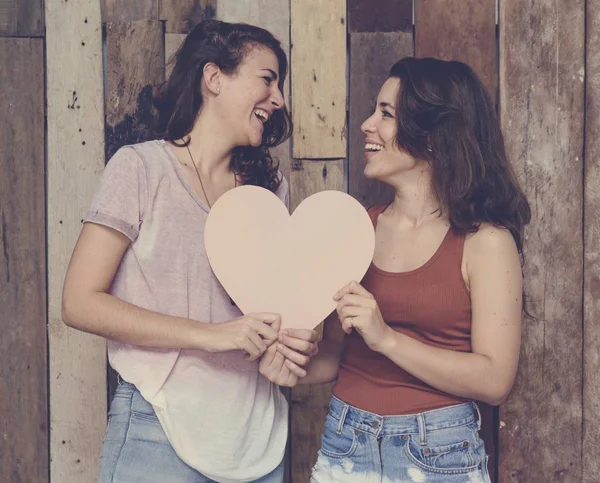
(269, 261)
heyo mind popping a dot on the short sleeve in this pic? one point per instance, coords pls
(120, 198)
(283, 192)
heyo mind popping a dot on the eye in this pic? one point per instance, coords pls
(268, 79)
(384, 113)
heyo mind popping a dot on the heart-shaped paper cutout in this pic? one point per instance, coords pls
(269, 261)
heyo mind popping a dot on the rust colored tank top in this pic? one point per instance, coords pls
(430, 304)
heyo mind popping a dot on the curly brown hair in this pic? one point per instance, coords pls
(446, 117)
(180, 98)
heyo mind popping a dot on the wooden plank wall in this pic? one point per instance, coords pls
(23, 351)
(542, 113)
(75, 155)
(546, 82)
(591, 209)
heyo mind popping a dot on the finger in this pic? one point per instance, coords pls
(357, 300)
(255, 346)
(297, 344)
(304, 334)
(353, 311)
(265, 330)
(269, 356)
(293, 356)
(295, 369)
(353, 288)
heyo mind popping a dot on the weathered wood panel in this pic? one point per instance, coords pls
(75, 159)
(182, 15)
(542, 110)
(129, 10)
(591, 310)
(371, 56)
(21, 18)
(274, 16)
(464, 31)
(310, 404)
(318, 33)
(380, 15)
(134, 65)
(23, 351)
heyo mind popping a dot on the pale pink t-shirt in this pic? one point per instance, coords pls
(221, 416)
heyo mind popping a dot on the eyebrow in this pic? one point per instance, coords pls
(386, 104)
(273, 73)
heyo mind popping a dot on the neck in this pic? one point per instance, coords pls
(209, 147)
(414, 202)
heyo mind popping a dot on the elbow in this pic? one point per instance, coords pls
(497, 394)
(70, 310)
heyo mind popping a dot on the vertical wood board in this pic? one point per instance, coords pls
(129, 10)
(464, 31)
(542, 105)
(75, 159)
(23, 350)
(380, 15)
(591, 314)
(21, 18)
(318, 35)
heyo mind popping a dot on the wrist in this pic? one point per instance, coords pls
(202, 336)
(389, 342)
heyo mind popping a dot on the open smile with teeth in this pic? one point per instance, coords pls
(262, 115)
(372, 147)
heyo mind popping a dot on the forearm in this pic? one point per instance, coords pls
(462, 374)
(107, 316)
(324, 366)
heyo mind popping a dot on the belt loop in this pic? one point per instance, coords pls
(342, 419)
(478, 415)
(422, 435)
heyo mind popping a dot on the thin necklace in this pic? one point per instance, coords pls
(187, 146)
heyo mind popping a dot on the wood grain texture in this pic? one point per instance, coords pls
(182, 15)
(542, 112)
(134, 65)
(75, 160)
(274, 16)
(371, 56)
(464, 31)
(380, 15)
(310, 404)
(23, 350)
(318, 32)
(129, 10)
(22, 18)
(591, 294)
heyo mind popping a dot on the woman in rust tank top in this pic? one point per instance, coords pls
(436, 322)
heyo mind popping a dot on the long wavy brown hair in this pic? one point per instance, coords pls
(446, 117)
(180, 98)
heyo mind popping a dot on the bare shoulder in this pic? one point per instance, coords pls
(491, 248)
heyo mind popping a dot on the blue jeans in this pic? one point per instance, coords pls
(136, 449)
(439, 446)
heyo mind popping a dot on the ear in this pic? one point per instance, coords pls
(211, 75)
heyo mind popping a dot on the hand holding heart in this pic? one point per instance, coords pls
(357, 309)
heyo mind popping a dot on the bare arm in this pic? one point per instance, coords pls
(323, 367)
(88, 306)
(487, 374)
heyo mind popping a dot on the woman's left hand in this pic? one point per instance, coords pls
(358, 309)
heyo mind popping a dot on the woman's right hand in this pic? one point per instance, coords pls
(252, 333)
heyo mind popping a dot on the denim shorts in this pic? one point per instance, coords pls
(136, 449)
(439, 446)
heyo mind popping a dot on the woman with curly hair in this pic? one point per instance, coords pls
(435, 324)
(190, 406)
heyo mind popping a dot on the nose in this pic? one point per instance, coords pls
(277, 98)
(368, 126)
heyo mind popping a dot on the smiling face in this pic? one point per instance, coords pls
(249, 96)
(384, 159)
